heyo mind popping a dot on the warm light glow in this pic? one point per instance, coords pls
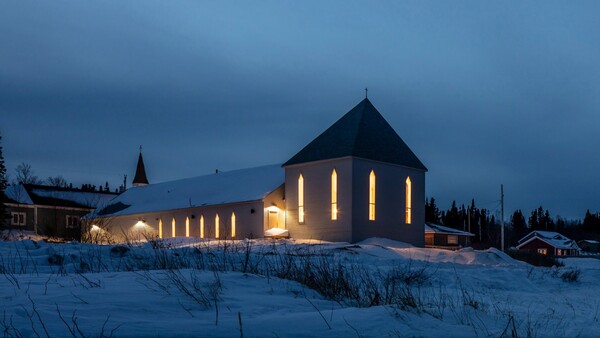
(334, 210)
(372, 196)
(160, 230)
(217, 226)
(201, 226)
(301, 199)
(233, 225)
(173, 227)
(408, 219)
(140, 224)
(95, 228)
(273, 209)
(187, 227)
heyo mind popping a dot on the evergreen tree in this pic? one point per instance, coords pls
(518, 225)
(3, 185)
(432, 213)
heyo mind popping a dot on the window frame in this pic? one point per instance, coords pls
(72, 222)
(372, 195)
(301, 211)
(21, 218)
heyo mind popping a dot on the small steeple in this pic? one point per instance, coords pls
(140, 178)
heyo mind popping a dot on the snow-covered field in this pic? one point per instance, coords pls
(285, 288)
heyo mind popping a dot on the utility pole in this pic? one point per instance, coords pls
(469, 219)
(502, 215)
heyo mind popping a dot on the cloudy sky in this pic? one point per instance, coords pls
(485, 93)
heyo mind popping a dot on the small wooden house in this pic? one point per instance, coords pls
(51, 211)
(589, 245)
(548, 243)
(439, 236)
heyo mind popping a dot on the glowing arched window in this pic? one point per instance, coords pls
(334, 206)
(187, 227)
(217, 226)
(233, 225)
(160, 235)
(372, 196)
(201, 226)
(408, 219)
(173, 227)
(301, 199)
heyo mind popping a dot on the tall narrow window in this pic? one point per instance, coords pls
(160, 231)
(408, 219)
(173, 227)
(187, 227)
(372, 196)
(201, 226)
(233, 225)
(301, 199)
(217, 226)
(334, 208)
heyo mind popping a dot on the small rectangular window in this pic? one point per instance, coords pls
(452, 239)
(72, 222)
(17, 218)
(542, 251)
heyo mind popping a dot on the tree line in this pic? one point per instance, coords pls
(24, 174)
(486, 227)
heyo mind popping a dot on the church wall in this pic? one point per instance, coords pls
(248, 215)
(317, 200)
(390, 202)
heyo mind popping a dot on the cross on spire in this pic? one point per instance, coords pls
(140, 148)
(366, 93)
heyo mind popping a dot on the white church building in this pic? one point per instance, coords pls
(356, 180)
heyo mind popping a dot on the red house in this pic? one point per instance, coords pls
(548, 243)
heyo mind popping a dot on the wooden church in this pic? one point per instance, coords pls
(356, 180)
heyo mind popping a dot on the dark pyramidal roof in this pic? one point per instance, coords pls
(140, 172)
(363, 133)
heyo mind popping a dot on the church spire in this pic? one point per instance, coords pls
(140, 178)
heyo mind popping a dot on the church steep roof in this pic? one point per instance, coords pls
(140, 172)
(363, 133)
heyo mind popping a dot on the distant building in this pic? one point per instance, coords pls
(589, 245)
(548, 243)
(439, 236)
(358, 179)
(49, 210)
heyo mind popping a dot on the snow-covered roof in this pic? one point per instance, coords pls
(590, 241)
(220, 188)
(17, 193)
(553, 238)
(442, 230)
(31, 194)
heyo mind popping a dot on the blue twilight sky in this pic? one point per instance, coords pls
(483, 92)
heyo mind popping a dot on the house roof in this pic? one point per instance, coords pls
(140, 171)
(553, 238)
(35, 194)
(442, 230)
(220, 188)
(363, 133)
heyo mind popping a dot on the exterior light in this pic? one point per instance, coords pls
(273, 208)
(140, 224)
(95, 228)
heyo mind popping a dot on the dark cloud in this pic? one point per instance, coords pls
(484, 93)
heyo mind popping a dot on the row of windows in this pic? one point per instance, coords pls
(201, 225)
(334, 198)
(19, 219)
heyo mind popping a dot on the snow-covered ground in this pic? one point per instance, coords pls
(377, 288)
